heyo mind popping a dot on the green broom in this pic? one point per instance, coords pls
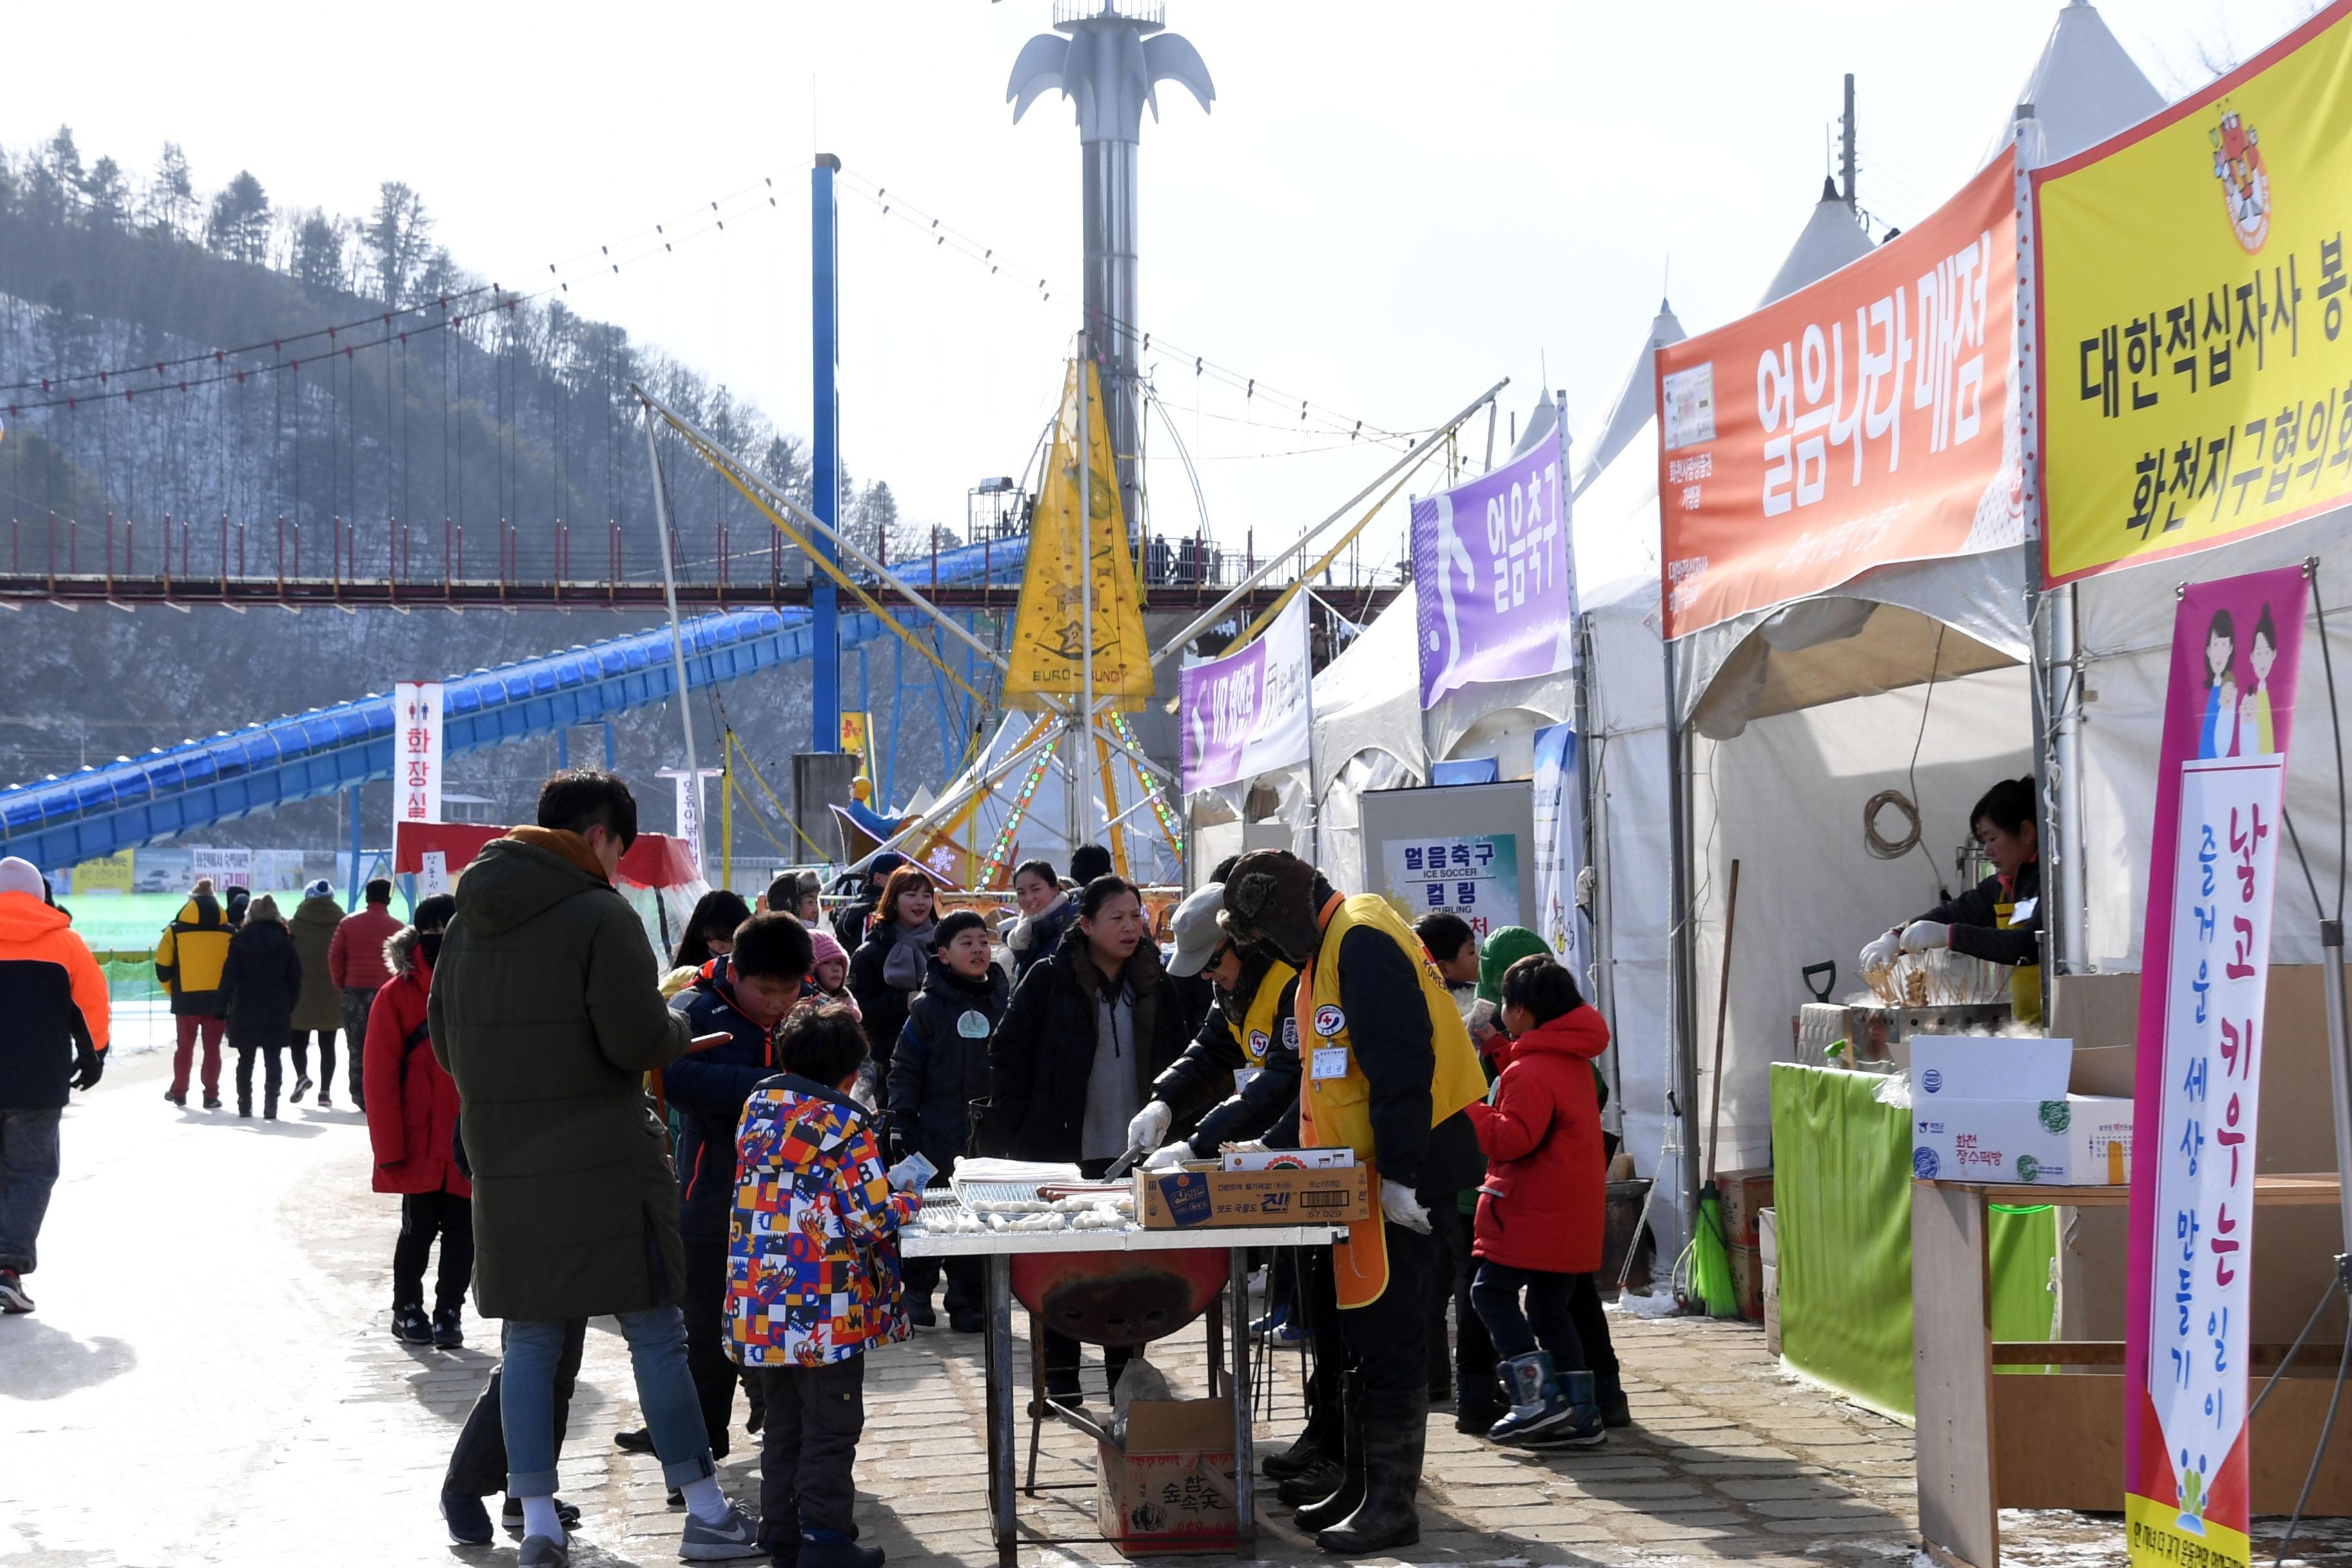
(1710, 1272)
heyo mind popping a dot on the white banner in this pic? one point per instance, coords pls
(1251, 711)
(689, 807)
(416, 750)
(1560, 847)
(228, 868)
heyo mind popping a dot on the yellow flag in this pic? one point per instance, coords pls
(1049, 632)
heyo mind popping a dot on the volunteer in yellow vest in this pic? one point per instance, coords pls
(2000, 918)
(1388, 1069)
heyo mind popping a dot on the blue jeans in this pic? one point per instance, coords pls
(29, 1169)
(665, 1390)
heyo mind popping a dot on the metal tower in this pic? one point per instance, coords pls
(1110, 66)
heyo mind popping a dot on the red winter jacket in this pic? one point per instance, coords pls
(1542, 1204)
(356, 957)
(411, 1104)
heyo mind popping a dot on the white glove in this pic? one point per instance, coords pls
(1401, 1207)
(1881, 953)
(1169, 1157)
(1150, 1126)
(1922, 936)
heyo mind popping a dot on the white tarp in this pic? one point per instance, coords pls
(1367, 699)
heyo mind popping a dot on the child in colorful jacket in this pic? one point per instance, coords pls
(813, 1282)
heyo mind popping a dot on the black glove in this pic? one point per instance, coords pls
(88, 1064)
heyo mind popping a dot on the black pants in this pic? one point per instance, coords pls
(1386, 1338)
(423, 1217)
(964, 1276)
(1450, 1267)
(1547, 1319)
(1584, 1309)
(707, 1360)
(807, 1450)
(1317, 1312)
(301, 1048)
(273, 1068)
(477, 1465)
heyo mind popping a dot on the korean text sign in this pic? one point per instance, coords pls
(416, 750)
(1863, 420)
(1497, 596)
(1249, 711)
(2194, 362)
(2228, 706)
(1475, 875)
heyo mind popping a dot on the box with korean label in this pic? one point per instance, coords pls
(1202, 1197)
(1991, 1109)
(1171, 1487)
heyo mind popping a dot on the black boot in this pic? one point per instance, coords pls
(1396, 1432)
(1350, 1495)
(1478, 1402)
(1317, 1444)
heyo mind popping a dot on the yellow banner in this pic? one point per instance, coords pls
(2191, 280)
(1049, 633)
(109, 875)
(855, 741)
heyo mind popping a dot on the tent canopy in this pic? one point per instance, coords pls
(1832, 237)
(2085, 88)
(1636, 404)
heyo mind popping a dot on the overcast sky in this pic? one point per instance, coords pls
(1392, 205)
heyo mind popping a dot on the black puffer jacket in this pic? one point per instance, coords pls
(940, 1067)
(1043, 1054)
(707, 1088)
(882, 1007)
(260, 985)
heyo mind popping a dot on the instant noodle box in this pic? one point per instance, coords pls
(1203, 1196)
(1994, 1109)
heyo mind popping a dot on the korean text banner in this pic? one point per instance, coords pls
(416, 750)
(2213, 869)
(1497, 579)
(1865, 420)
(1248, 712)
(2191, 279)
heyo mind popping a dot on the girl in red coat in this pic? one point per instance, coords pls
(412, 1115)
(1541, 1210)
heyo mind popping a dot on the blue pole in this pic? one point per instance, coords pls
(353, 900)
(826, 442)
(890, 779)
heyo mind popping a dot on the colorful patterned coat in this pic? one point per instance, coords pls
(812, 1253)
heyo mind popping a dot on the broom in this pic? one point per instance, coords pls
(1710, 1274)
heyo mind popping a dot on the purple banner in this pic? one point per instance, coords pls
(1248, 712)
(1496, 582)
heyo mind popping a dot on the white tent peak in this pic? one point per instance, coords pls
(2085, 88)
(1636, 403)
(1831, 237)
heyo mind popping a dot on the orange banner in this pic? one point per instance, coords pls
(1867, 419)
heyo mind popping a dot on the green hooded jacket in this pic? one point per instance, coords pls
(547, 1010)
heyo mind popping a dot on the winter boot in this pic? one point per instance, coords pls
(1349, 1495)
(1536, 1404)
(1583, 1427)
(1317, 1444)
(1396, 1434)
(1477, 1404)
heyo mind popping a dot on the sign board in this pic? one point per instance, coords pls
(2192, 287)
(228, 868)
(688, 792)
(856, 740)
(433, 873)
(1249, 713)
(1497, 581)
(1464, 851)
(2204, 974)
(1864, 420)
(111, 873)
(1558, 824)
(416, 750)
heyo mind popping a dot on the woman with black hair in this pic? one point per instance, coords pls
(711, 930)
(2000, 918)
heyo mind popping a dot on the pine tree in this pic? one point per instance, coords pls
(107, 193)
(171, 193)
(396, 238)
(239, 226)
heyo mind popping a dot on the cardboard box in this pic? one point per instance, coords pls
(1768, 1234)
(1204, 1197)
(1746, 1195)
(2000, 1111)
(1747, 1282)
(1172, 1489)
(1288, 1160)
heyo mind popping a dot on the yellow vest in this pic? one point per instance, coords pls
(1261, 1021)
(2025, 980)
(1337, 1106)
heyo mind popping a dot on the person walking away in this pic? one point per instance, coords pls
(938, 1071)
(545, 1009)
(742, 995)
(1085, 1032)
(258, 986)
(54, 997)
(412, 1128)
(887, 971)
(356, 966)
(710, 933)
(1389, 1071)
(1541, 1208)
(1088, 862)
(188, 960)
(320, 1008)
(849, 924)
(812, 1260)
(828, 980)
(1047, 911)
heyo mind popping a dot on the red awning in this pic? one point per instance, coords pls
(654, 860)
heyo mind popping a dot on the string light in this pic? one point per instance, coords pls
(1001, 850)
(1169, 822)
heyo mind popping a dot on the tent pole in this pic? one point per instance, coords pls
(1086, 551)
(676, 637)
(1683, 961)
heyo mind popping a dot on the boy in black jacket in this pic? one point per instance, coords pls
(940, 1068)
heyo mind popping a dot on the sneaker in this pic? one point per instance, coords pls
(447, 1332)
(212, 1103)
(1288, 1337)
(919, 1313)
(326, 1101)
(539, 1552)
(511, 1514)
(637, 1442)
(12, 1293)
(1274, 1321)
(676, 1499)
(179, 1099)
(301, 1087)
(469, 1521)
(410, 1326)
(737, 1535)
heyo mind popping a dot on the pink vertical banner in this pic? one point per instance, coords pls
(2204, 968)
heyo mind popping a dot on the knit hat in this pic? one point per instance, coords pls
(18, 876)
(1504, 948)
(826, 948)
(320, 889)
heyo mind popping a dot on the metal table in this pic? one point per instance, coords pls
(999, 1247)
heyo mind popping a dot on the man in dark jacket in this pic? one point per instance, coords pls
(938, 1071)
(188, 961)
(743, 996)
(53, 998)
(546, 1009)
(849, 925)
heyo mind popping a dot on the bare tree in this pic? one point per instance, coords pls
(171, 193)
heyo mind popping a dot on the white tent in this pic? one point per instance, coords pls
(2085, 88)
(1367, 729)
(1831, 237)
(1045, 825)
(1636, 407)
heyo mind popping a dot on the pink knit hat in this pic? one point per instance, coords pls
(826, 948)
